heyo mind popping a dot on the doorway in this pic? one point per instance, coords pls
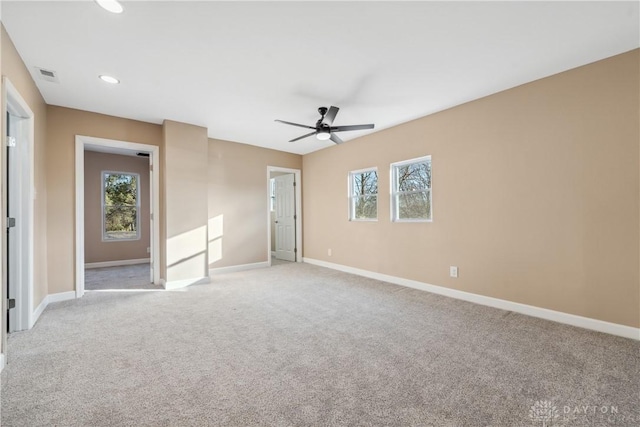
(284, 215)
(18, 208)
(117, 220)
(84, 143)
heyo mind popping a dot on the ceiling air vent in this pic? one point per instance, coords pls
(47, 75)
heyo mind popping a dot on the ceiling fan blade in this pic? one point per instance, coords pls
(351, 127)
(303, 136)
(331, 115)
(295, 124)
(335, 139)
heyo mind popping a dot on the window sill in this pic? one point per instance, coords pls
(120, 240)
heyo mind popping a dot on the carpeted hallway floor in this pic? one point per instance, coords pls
(121, 277)
(300, 345)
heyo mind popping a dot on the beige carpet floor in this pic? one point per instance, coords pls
(276, 261)
(121, 277)
(300, 345)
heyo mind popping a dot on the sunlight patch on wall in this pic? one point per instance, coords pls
(214, 248)
(186, 254)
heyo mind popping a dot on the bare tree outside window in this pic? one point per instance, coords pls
(120, 206)
(363, 195)
(412, 190)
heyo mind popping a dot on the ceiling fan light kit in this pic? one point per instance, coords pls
(323, 136)
(323, 129)
(112, 6)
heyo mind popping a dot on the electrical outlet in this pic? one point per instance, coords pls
(329, 251)
(148, 250)
(453, 271)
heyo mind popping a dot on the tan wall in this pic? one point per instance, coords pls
(95, 249)
(535, 196)
(238, 201)
(185, 167)
(63, 124)
(14, 69)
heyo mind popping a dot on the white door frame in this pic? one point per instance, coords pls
(14, 104)
(298, 194)
(82, 142)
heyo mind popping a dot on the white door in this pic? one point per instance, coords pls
(18, 224)
(151, 219)
(285, 217)
(13, 215)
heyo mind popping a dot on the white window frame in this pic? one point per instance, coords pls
(352, 198)
(393, 189)
(103, 206)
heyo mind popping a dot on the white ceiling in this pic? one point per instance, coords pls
(234, 67)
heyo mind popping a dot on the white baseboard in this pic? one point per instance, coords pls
(177, 284)
(241, 267)
(117, 263)
(38, 311)
(61, 296)
(543, 313)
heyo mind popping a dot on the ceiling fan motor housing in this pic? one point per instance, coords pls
(323, 132)
(323, 129)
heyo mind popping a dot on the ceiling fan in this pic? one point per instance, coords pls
(323, 129)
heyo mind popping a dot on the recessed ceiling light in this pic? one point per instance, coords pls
(111, 5)
(109, 79)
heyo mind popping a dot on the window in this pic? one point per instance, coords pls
(411, 190)
(120, 206)
(363, 195)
